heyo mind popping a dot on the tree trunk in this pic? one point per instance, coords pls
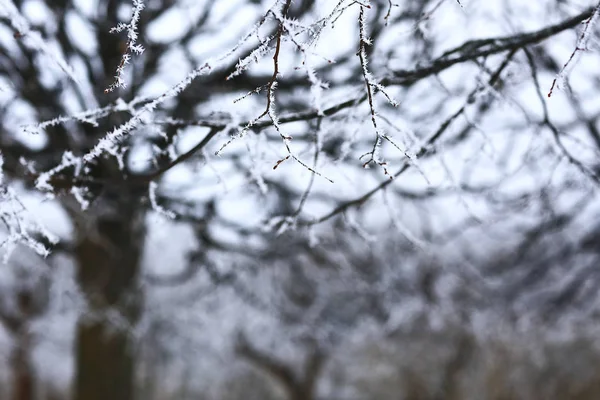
(31, 303)
(108, 253)
(23, 380)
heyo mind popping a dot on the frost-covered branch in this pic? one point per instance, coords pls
(132, 47)
(588, 26)
(19, 225)
(370, 84)
(423, 149)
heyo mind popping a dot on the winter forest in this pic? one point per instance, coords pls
(299, 200)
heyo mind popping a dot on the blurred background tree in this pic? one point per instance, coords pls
(336, 199)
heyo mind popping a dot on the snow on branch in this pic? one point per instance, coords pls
(588, 26)
(426, 147)
(371, 84)
(254, 56)
(19, 228)
(284, 26)
(152, 187)
(109, 143)
(68, 160)
(131, 47)
(90, 117)
(32, 39)
(317, 86)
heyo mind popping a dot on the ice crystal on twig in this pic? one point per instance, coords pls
(132, 46)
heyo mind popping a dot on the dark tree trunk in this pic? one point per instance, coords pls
(31, 303)
(23, 379)
(104, 363)
(108, 252)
